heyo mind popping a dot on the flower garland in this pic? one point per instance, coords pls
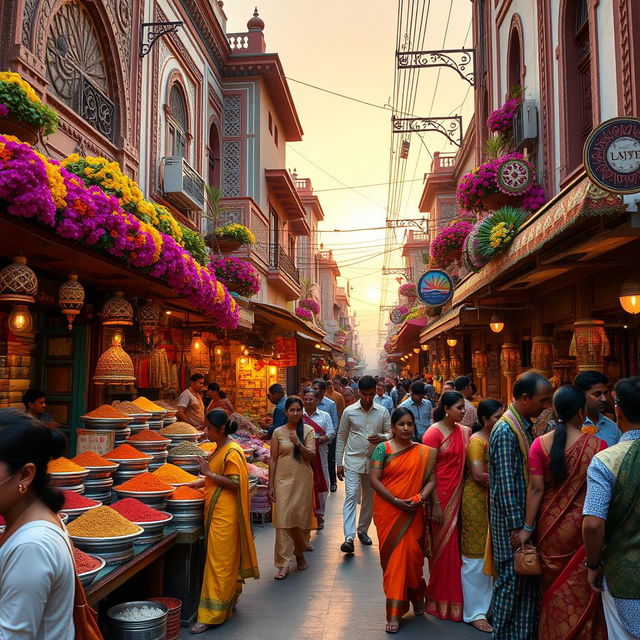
(501, 120)
(447, 245)
(19, 101)
(44, 191)
(238, 276)
(311, 304)
(235, 231)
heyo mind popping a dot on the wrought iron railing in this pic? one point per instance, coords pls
(278, 259)
(192, 183)
(94, 107)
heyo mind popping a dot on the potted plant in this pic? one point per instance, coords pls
(22, 113)
(237, 275)
(311, 304)
(496, 231)
(447, 245)
(408, 290)
(231, 236)
(304, 314)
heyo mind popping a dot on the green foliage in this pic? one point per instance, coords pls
(194, 244)
(495, 146)
(496, 231)
(37, 114)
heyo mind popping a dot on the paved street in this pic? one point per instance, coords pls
(338, 597)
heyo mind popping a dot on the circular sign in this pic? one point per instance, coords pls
(396, 316)
(514, 176)
(435, 288)
(612, 155)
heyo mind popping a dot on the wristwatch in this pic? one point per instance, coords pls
(593, 567)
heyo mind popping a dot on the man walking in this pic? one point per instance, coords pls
(277, 397)
(612, 519)
(421, 409)
(337, 397)
(382, 398)
(595, 386)
(462, 384)
(363, 425)
(515, 597)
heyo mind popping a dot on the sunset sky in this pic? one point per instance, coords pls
(348, 47)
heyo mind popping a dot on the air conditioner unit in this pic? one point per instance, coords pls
(525, 124)
(181, 184)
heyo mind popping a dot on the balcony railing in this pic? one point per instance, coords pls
(443, 162)
(278, 259)
(94, 107)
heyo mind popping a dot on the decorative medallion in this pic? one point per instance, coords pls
(514, 176)
(612, 155)
(396, 316)
(435, 288)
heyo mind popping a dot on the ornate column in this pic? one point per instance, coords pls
(589, 345)
(510, 363)
(455, 364)
(481, 367)
(542, 355)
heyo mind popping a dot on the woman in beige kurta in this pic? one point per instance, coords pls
(293, 448)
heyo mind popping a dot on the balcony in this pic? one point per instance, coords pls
(443, 162)
(283, 273)
(182, 185)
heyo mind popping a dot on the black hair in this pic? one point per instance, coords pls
(628, 398)
(24, 440)
(344, 381)
(219, 419)
(447, 399)
(486, 409)
(461, 382)
(310, 390)
(196, 376)
(567, 401)
(366, 383)
(276, 388)
(213, 386)
(448, 382)
(529, 382)
(321, 384)
(31, 395)
(418, 388)
(297, 454)
(587, 379)
(400, 413)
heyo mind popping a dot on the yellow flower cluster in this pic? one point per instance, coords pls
(501, 234)
(164, 215)
(15, 78)
(251, 239)
(56, 182)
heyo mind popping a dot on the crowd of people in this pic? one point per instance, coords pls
(528, 514)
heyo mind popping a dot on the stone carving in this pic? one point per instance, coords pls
(230, 169)
(232, 120)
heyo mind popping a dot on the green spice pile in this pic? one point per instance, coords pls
(187, 449)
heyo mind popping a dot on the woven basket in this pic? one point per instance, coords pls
(71, 298)
(117, 311)
(114, 367)
(18, 283)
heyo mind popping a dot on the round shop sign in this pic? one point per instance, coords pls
(435, 288)
(612, 155)
(396, 316)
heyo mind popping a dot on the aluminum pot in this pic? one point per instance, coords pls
(187, 514)
(153, 531)
(154, 629)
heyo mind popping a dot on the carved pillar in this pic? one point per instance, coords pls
(589, 345)
(455, 365)
(542, 355)
(510, 363)
(480, 368)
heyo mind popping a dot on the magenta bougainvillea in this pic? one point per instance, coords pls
(237, 275)
(501, 120)
(311, 304)
(304, 314)
(447, 245)
(408, 290)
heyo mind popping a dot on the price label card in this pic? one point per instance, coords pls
(99, 441)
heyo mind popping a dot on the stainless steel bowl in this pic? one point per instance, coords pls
(132, 464)
(154, 629)
(187, 514)
(153, 531)
(150, 446)
(67, 480)
(72, 514)
(155, 499)
(98, 473)
(88, 577)
(115, 550)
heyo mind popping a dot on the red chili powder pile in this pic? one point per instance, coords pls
(136, 511)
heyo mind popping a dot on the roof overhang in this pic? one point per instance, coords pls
(281, 185)
(286, 320)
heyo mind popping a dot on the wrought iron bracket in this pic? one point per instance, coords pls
(401, 271)
(420, 224)
(450, 126)
(151, 32)
(462, 61)
(387, 307)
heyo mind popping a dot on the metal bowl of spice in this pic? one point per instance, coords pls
(65, 473)
(106, 416)
(128, 457)
(87, 566)
(97, 466)
(151, 520)
(148, 441)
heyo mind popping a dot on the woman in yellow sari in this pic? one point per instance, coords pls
(400, 476)
(231, 554)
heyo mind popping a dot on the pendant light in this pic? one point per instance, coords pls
(424, 347)
(149, 318)
(199, 354)
(452, 342)
(115, 365)
(71, 298)
(416, 349)
(630, 296)
(117, 312)
(19, 284)
(496, 324)
(20, 320)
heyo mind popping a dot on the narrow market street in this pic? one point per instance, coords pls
(338, 597)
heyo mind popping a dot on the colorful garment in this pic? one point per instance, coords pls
(231, 553)
(401, 533)
(515, 598)
(570, 609)
(444, 591)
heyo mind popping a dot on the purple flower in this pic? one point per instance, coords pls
(4, 110)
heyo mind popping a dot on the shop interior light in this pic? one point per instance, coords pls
(416, 349)
(168, 312)
(20, 320)
(496, 324)
(218, 351)
(273, 371)
(117, 338)
(245, 352)
(197, 343)
(452, 342)
(243, 361)
(424, 347)
(630, 297)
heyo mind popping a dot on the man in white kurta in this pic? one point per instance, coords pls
(323, 420)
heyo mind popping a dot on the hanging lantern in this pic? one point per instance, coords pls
(18, 283)
(115, 365)
(20, 320)
(589, 345)
(456, 366)
(149, 318)
(452, 342)
(496, 324)
(200, 362)
(630, 297)
(71, 298)
(416, 349)
(117, 311)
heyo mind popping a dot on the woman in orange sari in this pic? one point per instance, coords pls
(447, 440)
(399, 475)
(558, 464)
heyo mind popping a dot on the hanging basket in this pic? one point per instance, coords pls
(223, 246)
(71, 298)
(24, 131)
(117, 311)
(18, 283)
(114, 367)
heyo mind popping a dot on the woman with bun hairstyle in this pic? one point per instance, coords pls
(37, 577)
(231, 553)
(293, 449)
(558, 463)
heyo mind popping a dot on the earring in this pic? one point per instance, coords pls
(22, 488)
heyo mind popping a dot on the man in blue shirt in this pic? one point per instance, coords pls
(278, 397)
(595, 386)
(324, 403)
(382, 398)
(421, 409)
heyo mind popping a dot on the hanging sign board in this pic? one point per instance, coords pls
(612, 155)
(99, 441)
(435, 288)
(285, 352)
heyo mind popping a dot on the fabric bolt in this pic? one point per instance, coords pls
(607, 429)
(477, 589)
(474, 510)
(384, 401)
(470, 414)
(444, 591)
(401, 533)
(37, 584)
(421, 415)
(231, 554)
(569, 608)
(357, 487)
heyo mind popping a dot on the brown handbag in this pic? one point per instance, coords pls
(526, 561)
(85, 619)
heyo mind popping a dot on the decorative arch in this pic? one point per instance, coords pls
(516, 69)
(179, 116)
(214, 154)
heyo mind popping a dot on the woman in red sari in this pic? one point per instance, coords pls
(558, 463)
(447, 439)
(400, 471)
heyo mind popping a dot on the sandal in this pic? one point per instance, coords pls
(418, 608)
(482, 625)
(199, 627)
(393, 626)
(301, 563)
(283, 572)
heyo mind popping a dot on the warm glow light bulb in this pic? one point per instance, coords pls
(416, 349)
(218, 351)
(20, 320)
(243, 360)
(425, 347)
(630, 297)
(496, 324)
(452, 342)
(273, 371)
(117, 338)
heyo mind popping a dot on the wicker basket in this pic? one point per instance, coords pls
(18, 283)
(71, 298)
(114, 367)
(117, 311)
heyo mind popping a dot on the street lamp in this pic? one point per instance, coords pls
(496, 324)
(630, 297)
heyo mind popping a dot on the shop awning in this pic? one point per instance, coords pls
(409, 332)
(286, 320)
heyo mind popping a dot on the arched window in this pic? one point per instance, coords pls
(214, 156)
(177, 123)
(76, 67)
(514, 60)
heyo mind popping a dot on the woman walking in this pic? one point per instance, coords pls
(293, 449)
(474, 513)
(231, 554)
(400, 476)
(37, 579)
(447, 439)
(558, 464)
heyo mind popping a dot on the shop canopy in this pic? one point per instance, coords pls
(286, 320)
